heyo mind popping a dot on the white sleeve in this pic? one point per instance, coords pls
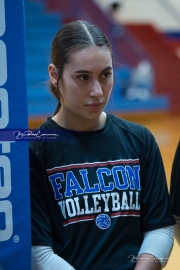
(158, 243)
(43, 258)
(177, 229)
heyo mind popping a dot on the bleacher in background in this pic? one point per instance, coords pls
(39, 30)
(130, 93)
(166, 61)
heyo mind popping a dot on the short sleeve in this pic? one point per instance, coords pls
(156, 209)
(40, 221)
(175, 183)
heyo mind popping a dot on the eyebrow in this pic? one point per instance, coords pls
(89, 72)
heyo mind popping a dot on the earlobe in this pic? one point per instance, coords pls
(53, 74)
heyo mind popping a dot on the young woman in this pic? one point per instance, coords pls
(175, 192)
(99, 198)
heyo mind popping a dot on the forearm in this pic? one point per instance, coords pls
(147, 262)
(43, 258)
(155, 249)
(177, 229)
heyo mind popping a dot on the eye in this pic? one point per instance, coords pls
(106, 74)
(83, 77)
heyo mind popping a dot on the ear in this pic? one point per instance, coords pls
(53, 74)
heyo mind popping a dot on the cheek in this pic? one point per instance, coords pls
(67, 90)
(109, 87)
(72, 96)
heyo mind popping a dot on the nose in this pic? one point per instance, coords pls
(96, 90)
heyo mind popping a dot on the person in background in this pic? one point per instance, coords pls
(115, 5)
(110, 5)
(99, 197)
(175, 192)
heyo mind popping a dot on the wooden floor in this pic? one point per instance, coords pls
(166, 129)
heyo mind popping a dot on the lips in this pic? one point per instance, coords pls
(98, 102)
(95, 103)
(95, 106)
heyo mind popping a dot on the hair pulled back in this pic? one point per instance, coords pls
(73, 36)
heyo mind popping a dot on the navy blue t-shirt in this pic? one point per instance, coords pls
(94, 194)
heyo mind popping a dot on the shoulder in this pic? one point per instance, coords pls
(37, 143)
(134, 136)
(138, 131)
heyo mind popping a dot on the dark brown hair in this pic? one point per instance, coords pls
(74, 36)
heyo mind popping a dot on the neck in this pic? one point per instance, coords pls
(83, 125)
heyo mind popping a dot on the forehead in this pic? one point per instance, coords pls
(88, 58)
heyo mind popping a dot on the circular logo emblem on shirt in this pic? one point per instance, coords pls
(103, 221)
